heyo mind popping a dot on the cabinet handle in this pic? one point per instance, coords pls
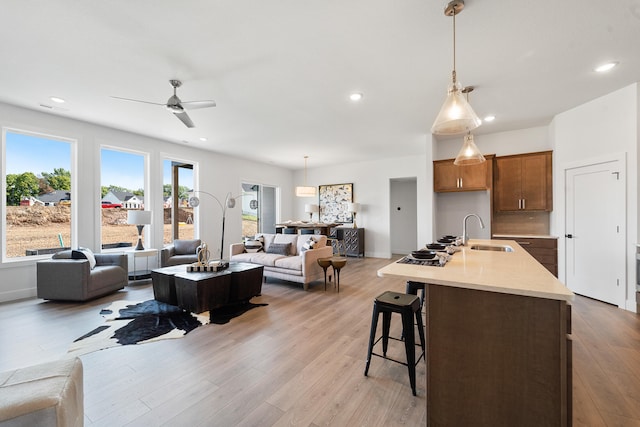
(523, 243)
(524, 203)
(461, 183)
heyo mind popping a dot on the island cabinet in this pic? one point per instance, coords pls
(523, 182)
(498, 338)
(496, 359)
(448, 177)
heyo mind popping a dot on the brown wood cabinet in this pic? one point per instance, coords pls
(448, 177)
(497, 359)
(544, 250)
(523, 182)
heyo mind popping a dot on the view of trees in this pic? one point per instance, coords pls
(27, 184)
(183, 192)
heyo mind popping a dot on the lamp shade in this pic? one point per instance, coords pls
(306, 191)
(469, 154)
(353, 207)
(456, 115)
(311, 208)
(138, 217)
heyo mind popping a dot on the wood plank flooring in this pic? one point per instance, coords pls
(297, 362)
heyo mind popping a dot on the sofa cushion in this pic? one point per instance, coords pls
(84, 253)
(264, 258)
(186, 247)
(309, 244)
(253, 246)
(279, 249)
(288, 238)
(266, 239)
(290, 263)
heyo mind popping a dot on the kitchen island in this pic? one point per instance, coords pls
(498, 344)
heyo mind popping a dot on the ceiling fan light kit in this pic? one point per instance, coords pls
(176, 106)
(456, 115)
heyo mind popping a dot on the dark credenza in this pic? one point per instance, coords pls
(353, 240)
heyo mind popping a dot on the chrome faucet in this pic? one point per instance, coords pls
(465, 237)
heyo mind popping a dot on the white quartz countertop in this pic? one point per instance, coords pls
(516, 272)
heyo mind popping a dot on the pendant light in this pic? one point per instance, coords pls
(469, 154)
(456, 115)
(305, 191)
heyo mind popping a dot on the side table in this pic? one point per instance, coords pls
(143, 253)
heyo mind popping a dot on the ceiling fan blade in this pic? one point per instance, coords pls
(184, 118)
(192, 105)
(136, 100)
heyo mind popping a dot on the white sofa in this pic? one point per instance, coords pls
(299, 265)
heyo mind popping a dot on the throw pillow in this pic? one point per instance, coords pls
(309, 244)
(279, 248)
(84, 253)
(252, 246)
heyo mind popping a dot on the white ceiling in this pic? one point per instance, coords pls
(281, 71)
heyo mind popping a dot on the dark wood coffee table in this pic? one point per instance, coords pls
(200, 291)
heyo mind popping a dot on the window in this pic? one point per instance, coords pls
(122, 188)
(37, 187)
(178, 215)
(258, 209)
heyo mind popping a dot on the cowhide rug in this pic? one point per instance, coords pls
(128, 322)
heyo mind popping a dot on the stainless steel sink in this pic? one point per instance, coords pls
(498, 248)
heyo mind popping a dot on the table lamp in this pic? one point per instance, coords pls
(139, 218)
(310, 209)
(353, 208)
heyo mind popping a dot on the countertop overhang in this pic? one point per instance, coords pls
(516, 272)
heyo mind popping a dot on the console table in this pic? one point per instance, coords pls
(144, 253)
(353, 240)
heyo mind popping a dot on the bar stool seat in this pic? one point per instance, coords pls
(408, 306)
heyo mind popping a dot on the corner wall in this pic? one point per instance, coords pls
(609, 124)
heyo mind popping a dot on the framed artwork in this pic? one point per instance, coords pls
(333, 203)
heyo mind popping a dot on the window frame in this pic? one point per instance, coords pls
(73, 161)
(146, 188)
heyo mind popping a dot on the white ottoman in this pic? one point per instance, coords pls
(49, 394)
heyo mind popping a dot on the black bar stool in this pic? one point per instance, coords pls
(408, 306)
(413, 288)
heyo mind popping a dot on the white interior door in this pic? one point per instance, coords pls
(595, 235)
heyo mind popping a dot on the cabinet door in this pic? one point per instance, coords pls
(474, 177)
(445, 176)
(536, 182)
(507, 184)
(523, 182)
(449, 177)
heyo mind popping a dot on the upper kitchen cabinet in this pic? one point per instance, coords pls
(523, 182)
(448, 177)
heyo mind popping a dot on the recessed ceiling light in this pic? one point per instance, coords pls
(203, 139)
(56, 99)
(489, 118)
(605, 67)
(356, 96)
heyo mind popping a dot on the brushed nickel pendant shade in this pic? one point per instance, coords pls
(456, 115)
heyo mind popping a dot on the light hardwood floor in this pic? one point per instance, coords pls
(298, 361)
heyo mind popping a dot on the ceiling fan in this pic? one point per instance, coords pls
(176, 106)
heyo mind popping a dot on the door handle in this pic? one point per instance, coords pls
(569, 236)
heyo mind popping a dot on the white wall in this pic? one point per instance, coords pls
(218, 174)
(606, 125)
(371, 189)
